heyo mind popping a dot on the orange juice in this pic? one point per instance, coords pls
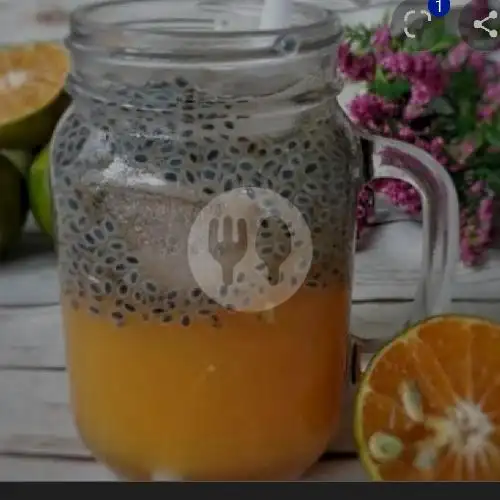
(256, 396)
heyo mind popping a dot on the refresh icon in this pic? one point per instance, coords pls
(413, 13)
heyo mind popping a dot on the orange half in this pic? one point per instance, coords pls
(428, 406)
(32, 77)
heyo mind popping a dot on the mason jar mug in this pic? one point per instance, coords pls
(205, 183)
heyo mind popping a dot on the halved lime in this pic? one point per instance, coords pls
(40, 195)
(13, 204)
(32, 77)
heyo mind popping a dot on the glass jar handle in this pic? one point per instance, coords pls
(440, 252)
(395, 159)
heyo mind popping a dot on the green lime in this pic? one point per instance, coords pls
(32, 78)
(20, 159)
(14, 205)
(40, 194)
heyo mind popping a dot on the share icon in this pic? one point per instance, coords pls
(479, 24)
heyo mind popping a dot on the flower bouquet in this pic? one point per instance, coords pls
(437, 93)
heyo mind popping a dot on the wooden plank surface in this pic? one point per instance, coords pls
(47, 469)
(36, 469)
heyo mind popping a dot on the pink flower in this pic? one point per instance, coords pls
(462, 55)
(492, 92)
(486, 112)
(406, 133)
(457, 56)
(428, 76)
(485, 71)
(420, 94)
(444, 160)
(477, 61)
(370, 109)
(485, 211)
(476, 219)
(365, 210)
(425, 63)
(437, 145)
(412, 111)
(467, 256)
(401, 194)
(360, 212)
(480, 8)
(422, 69)
(381, 39)
(429, 72)
(456, 167)
(467, 148)
(386, 129)
(423, 144)
(356, 68)
(489, 73)
(397, 63)
(477, 187)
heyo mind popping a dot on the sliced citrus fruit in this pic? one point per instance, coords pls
(32, 77)
(13, 205)
(428, 406)
(40, 194)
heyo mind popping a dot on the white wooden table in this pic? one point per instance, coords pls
(38, 440)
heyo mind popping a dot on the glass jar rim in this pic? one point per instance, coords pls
(88, 29)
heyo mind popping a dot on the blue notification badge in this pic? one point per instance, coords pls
(438, 8)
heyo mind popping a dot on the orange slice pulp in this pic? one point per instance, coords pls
(428, 406)
(32, 77)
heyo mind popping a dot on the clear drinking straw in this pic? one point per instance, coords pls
(275, 14)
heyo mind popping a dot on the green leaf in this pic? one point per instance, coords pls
(447, 125)
(432, 33)
(399, 44)
(410, 45)
(390, 90)
(446, 43)
(491, 177)
(494, 184)
(454, 146)
(463, 84)
(492, 135)
(441, 106)
(380, 75)
(486, 160)
(430, 36)
(359, 37)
